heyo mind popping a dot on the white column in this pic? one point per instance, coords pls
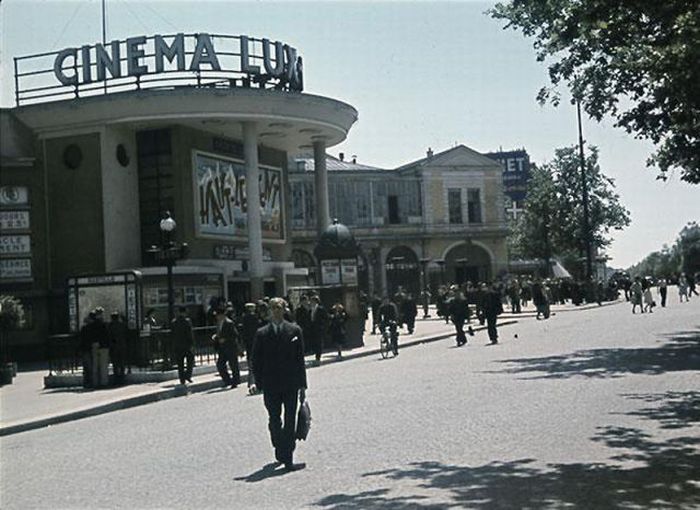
(321, 181)
(252, 189)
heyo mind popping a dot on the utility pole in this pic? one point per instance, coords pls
(104, 32)
(584, 186)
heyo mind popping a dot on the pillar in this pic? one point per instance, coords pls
(252, 190)
(321, 182)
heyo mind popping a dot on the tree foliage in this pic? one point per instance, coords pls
(683, 256)
(553, 221)
(636, 61)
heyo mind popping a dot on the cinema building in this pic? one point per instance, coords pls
(438, 219)
(105, 138)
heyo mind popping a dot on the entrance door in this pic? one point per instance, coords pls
(466, 274)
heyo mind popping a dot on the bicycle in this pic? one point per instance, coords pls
(389, 339)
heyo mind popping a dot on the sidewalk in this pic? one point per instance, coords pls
(27, 405)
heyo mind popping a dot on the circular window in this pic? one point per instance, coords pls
(72, 156)
(122, 155)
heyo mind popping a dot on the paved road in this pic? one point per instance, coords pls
(594, 409)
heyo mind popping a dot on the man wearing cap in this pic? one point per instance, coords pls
(226, 344)
(182, 338)
(278, 364)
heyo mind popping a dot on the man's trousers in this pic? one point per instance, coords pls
(282, 435)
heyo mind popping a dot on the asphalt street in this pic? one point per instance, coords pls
(591, 409)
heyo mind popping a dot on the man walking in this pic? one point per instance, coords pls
(492, 308)
(409, 310)
(459, 313)
(663, 291)
(182, 338)
(278, 364)
(226, 344)
(317, 327)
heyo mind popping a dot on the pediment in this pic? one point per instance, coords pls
(460, 156)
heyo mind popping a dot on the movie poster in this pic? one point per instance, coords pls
(221, 202)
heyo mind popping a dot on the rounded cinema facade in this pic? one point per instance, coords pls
(117, 134)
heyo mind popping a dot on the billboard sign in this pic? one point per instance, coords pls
(221, 202)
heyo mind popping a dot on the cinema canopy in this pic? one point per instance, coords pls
(105, 138)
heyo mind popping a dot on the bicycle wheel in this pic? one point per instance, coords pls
(384, 347)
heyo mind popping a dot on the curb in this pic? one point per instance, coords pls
(182, 391)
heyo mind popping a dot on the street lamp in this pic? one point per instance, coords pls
(168, 252)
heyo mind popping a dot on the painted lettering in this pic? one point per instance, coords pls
(134, 51)
(58, 66)
(106, 62)
(204, 54)
(278, 69)
(175, 51)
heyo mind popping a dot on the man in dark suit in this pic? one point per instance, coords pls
(492, 307)
(182, 340)
(278, 364)
(317, 327)
(459, 313)
(227, 345)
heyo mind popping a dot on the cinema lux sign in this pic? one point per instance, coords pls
(149, 55)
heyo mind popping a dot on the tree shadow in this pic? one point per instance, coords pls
(673, 409)
(663, 475)
(680, 353)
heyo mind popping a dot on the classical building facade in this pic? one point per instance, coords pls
(440, 218)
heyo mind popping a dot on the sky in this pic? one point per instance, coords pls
(421, 75)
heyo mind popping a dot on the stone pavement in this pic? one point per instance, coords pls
(27, 405)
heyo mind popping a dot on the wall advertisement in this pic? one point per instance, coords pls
(221, 202)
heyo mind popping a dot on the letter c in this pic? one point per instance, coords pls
(58, 66)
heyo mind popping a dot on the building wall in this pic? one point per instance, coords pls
(76, 223)
(120, 187)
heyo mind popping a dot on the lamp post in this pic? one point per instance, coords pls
(584, 191)
(168, 252)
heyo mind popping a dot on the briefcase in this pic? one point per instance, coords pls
(303, 421)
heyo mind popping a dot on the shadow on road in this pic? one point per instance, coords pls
(663, 476)
(680, 353)
(267, 471)
(673, 409)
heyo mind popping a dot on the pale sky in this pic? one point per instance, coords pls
(420, 74)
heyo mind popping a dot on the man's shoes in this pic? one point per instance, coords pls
(470, 331)
(290, 466)
(188, 379)
(234, 385)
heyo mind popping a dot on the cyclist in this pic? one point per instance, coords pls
(388, 316)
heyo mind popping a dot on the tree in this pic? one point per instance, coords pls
(552, 223)
(683, 256)
(531, 236)
(636, 61)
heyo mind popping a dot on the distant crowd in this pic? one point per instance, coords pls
(102, 342)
